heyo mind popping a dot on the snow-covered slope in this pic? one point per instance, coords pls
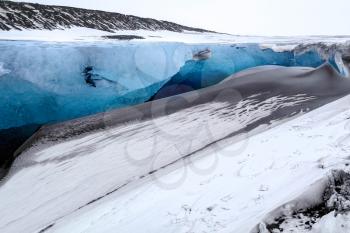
(19, 16)
(28, 21)
(233, 188)
(230, 189)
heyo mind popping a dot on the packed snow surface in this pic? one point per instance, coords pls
(331, 223)
(75, 185)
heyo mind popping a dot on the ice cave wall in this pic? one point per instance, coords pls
(43, 82)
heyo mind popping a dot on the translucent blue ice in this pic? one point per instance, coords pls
(44, 82)
(227, 60)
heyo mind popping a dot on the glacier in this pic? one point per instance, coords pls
(48, 82)
(116, 123)
(240, 90)
(43, 82)
(227, 60)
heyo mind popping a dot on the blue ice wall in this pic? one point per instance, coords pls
(44, 82)
(227, 60)
(310, 59)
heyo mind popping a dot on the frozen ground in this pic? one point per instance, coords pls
(80, 186)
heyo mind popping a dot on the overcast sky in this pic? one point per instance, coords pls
(245, 17)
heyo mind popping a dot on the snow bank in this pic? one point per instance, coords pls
(320, 205)
(331, 224)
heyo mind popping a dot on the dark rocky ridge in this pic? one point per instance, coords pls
(123, 37)
(20, 15)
